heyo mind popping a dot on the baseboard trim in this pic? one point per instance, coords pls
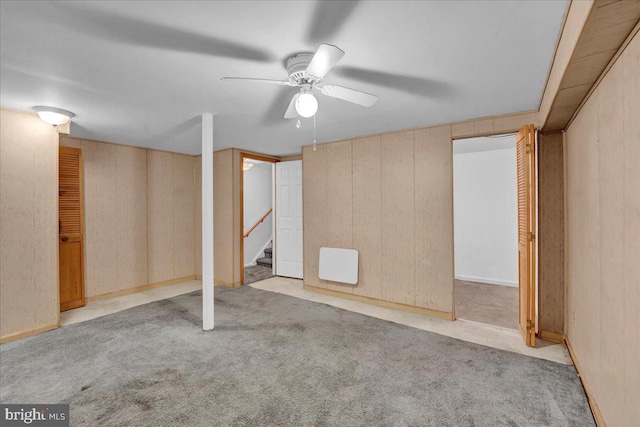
(552, 336)
(381, 303)
(123, 292)
(27, 333)
(595, 410)
(487, 281)
(227, 284)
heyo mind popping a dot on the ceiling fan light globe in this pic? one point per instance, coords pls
(306, 105)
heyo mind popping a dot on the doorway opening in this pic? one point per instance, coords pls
(257, 217)
(486, 230)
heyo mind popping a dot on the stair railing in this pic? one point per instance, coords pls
(257, 224)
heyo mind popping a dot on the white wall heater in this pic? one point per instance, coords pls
(338, 265)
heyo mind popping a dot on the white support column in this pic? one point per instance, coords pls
(207, 222)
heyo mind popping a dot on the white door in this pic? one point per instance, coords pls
(288, 239)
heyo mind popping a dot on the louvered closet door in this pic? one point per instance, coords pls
(70, 229)
(525, 149)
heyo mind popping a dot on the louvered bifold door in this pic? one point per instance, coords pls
(525, 149)
(70, 228)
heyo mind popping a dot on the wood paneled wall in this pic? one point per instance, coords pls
(160, 217)
(551, 235)
(28, 225)
(115, 212)
(602, 150)
(390, 197)
(226, 235)
(197, 217)
(171, 206)
(139, 216)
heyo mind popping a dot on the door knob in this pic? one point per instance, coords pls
(64, 239)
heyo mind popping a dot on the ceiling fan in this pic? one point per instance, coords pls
(307, 71)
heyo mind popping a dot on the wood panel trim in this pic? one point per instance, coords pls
(123, 292)
(572, 28)
(291, 158)
(613, 60)
(240, 250)
(499, 130)
(555, 52)
(453, 232)
(595, 410)
(259, 157)
(381, 303)
(77, 138)
(228, 284)
(64, 129)
(26, 113)
(557, 117)
(552, 336)
(28, 332)
(565, 236)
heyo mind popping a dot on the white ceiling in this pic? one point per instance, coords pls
(142, 73)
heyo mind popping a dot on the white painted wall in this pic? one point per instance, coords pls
(258, 186)
(485, 214)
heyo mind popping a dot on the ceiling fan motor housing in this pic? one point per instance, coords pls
(297, 69)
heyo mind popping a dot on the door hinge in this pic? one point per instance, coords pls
(528, 148)
(532, 237)
(530, 324)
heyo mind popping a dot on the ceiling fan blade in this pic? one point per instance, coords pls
(275, 82)
(328, 18)
(291, 109)
(400, 82)
(351, 95)
(324, 59)
(121, 28)
(273, 112)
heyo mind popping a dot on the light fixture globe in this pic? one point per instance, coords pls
(54, 116)
(306, 104)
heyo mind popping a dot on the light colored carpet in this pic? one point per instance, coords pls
(280, 361)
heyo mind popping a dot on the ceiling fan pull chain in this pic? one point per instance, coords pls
(314, 133)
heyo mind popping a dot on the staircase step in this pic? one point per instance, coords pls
(267, 262)
(268, 252)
